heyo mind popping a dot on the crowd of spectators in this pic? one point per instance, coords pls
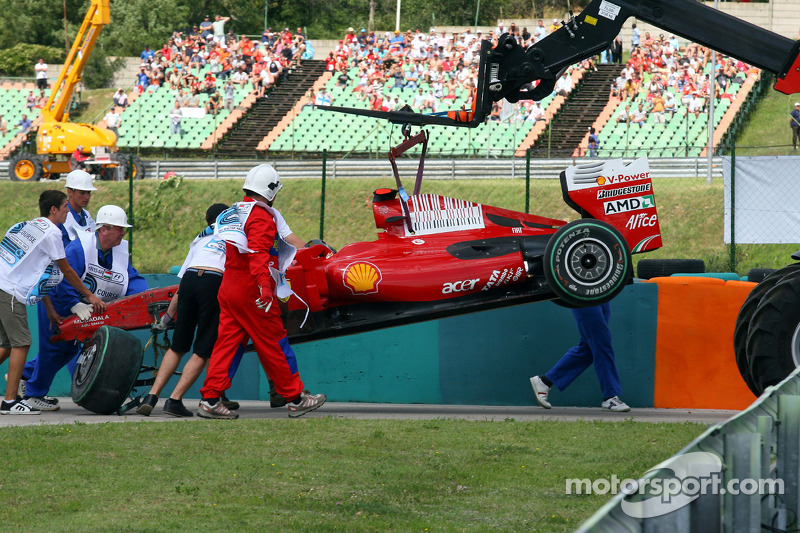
(206, 59)
(672, 79)
(423, 70)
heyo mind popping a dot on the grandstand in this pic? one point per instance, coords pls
(12, 107)
(145, 123)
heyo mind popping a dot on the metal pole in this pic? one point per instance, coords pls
(733, 207)
(266, 10)
(477, 10)
(528, 180)
(322, 195)
(397, 18)
(131, 214)
(710, 149)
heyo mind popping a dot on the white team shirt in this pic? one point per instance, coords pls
(27, 253)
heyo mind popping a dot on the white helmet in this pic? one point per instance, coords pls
(80, 180)
(111, 215)
(263, 180)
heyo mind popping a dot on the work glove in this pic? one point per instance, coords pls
(163, 324)
(84, 311)
(264, 301)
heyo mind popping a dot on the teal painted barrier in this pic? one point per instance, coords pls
(483, 358)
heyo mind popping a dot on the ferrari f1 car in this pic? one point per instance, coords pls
(434, 256)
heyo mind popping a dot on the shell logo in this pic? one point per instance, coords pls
(601, 180)
(362, 278)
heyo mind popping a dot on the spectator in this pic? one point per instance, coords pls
(230, 92)
(3, 126)
(795, 124)
(213, 104)
(24, 124)
(76, 160)
(41, 74)
(624, 115)
(564, 85)
(112, 120)
(536, 113)
(240, 77)
(30, 101)
(219, 28)
(695, 104)
(206, 28)
(121, 99)
(635, 38)
(175, 117)
(639, 116)
(541, 31)
(147, 55)
(594, 142)
(670, 105)
(42, 100)
(142, 79)
(323, 98)
(658, 107)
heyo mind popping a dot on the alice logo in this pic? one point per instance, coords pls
(362, 278)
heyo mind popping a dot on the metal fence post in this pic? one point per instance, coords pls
(528, 180)
(131, 212)
(733, 207)
(322, 196)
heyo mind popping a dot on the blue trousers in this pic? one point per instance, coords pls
(594, 348)
(41, 370)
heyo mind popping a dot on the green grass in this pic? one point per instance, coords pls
(768, 132)
(168, 214)
(321, 474)
(93, 105)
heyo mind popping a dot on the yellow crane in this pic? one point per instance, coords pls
(56, 138)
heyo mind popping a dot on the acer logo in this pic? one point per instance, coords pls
(459, 286)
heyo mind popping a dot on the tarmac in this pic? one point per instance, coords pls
(71, 413)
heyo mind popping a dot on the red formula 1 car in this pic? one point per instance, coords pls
(434, 256)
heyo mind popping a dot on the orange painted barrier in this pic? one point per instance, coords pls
(695, 363)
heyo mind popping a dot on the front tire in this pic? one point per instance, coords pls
(587, 262)
(25, 167)
(108, 367)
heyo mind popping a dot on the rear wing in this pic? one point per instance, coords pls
(619, 194)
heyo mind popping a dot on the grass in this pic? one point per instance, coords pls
(321, 474)
(168, 214)
(93, 105)
(768, 132)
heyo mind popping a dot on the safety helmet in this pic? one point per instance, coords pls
(111, 215)
(80, 180)
(263, 180)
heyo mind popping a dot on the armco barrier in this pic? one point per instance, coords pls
(761, 443)
(440, 169)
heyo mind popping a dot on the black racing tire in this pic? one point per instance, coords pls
(138, 172)
(743, 322)
(587, 262)
(758, 275)
(25, 167)
(773, 339)
(657, 268)
(107, 370)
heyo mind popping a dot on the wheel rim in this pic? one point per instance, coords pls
(85, 362)
(589, 261)
(24, 169)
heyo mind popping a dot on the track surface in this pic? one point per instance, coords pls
(71, 413)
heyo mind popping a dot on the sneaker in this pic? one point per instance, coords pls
(308, 402)
(230, 404)
(541, 391)
(217, 410)
(177, 409)
(148, 403)
(42, 404)
(18, 407)
(615, 404)
(20, 387)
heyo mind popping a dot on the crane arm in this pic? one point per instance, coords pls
(97, 17)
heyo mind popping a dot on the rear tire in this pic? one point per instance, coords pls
(25, 167)
(107, 370)
(743, 323)
(587, 262)
(657, 268)
(137, 172)
(773, 339)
